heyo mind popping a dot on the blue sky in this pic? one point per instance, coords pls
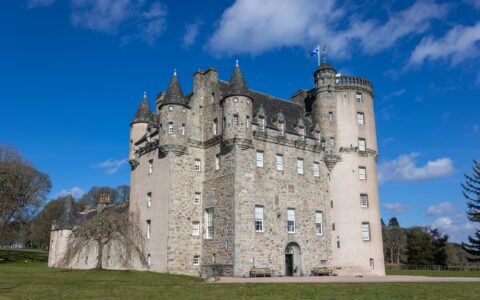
(72, 73)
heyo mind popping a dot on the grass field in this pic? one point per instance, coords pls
(24, 275)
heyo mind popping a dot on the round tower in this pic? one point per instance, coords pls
(344, 110)
(139, 124)
(173, 120)
(237, 113)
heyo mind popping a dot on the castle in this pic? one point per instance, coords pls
(226, 179)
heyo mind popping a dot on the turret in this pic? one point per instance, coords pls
(237, 112)
(173, 120)
(139, 124)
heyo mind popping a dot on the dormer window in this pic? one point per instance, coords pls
(301, 132)
(261, 123)
(281, 128)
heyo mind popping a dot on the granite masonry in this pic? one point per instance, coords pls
(226, 179)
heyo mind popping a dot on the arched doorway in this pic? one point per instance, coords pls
(293, 260)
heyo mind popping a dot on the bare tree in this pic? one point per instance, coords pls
(105, 229)
(395, 241)
(22, 189)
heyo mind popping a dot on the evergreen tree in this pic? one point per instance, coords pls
(471, 192)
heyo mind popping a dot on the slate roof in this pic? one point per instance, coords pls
(144, 113)
(272, 106)
(237, 82)
(174, 94)
(68, 217)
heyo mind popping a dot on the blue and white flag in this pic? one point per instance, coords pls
(315, 51)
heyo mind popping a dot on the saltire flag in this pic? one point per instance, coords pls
(315, 51)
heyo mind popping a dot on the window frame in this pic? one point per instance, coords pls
(170, 128)
(196, 260)
(195, 194)
(217, 162)
(235, 120)
(291, 220)
(279, 162)
(316, 169)
(197, 165)
(318, 222)
(259, 221)
(150, 166)
(360, 142)
(360, 118)
(209, 223)
(366, 231)
(195, 228)
(260, 158)
(300, 166)
(149, 199)
(149, 229)
(362, 175)
(364, 200)
(215, 126)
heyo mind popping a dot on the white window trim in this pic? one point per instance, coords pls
(279, 162)
(150, 166)
(318, 221)
(362, 144)
(362, 175)
(366, 231)
(289, 219)
(149, 199)
(170, 127)
(217, 162)
(316, 169)
(198, 165)
(360, 118)
(364, 204)
(300, 166)
(259, 219)
(209, 229)
(196, 260)
(195, 198)
(260, 158)
(195, 228)
(149, 229)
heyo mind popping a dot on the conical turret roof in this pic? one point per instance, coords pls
(144, 113)
(174, 94)
(67, 219)
(237, 82)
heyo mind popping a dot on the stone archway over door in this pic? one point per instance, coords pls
(293, 260)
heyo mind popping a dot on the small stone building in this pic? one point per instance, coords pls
(226, 179)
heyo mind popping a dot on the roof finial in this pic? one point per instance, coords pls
(144, 94)
(324, 54)
(174, 72)
(236, 63)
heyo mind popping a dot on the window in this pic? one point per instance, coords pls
(183, 129)
(198, 165)
(247, 121)
(259, 159)
(301, 132)
(197, 198)
(360, 118)
(359, 97)
(149, 229)
(196, 260)
(149, 199)
(291, 220)
(170, 127)
(214, 127)
(362, 173)
(235, 120)
(261, 123)
(209, 223)
(150, 166)
(279, 161)
(217, 162)
(329, 94)
(330, 116)
(366, 231)
(363, 200)
(317, 136)
(316, 169)
(195, 228)
(371, 263)
(300, 166)
(362, 144)
(149, 261)
(332, 141)
(258, 218)
(224, 123)
(200, 110)
(281, 128)
(319, 223)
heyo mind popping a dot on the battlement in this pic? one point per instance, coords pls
(353, 81)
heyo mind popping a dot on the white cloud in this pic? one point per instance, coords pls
(111, 166)
(191, 33)
(75, 191)
(459, 44)
(404, 168)
(458, 230)
(396, 207)
(257, 26)
(439, 208)
(39, 3)
(393, 94)
(109, 16)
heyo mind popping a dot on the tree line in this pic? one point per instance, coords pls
(25, 215)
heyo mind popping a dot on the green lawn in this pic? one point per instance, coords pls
(33, 280)
(434, 273)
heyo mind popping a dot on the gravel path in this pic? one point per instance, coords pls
(347, 279)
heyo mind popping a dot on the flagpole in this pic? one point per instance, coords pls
(318, 55)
